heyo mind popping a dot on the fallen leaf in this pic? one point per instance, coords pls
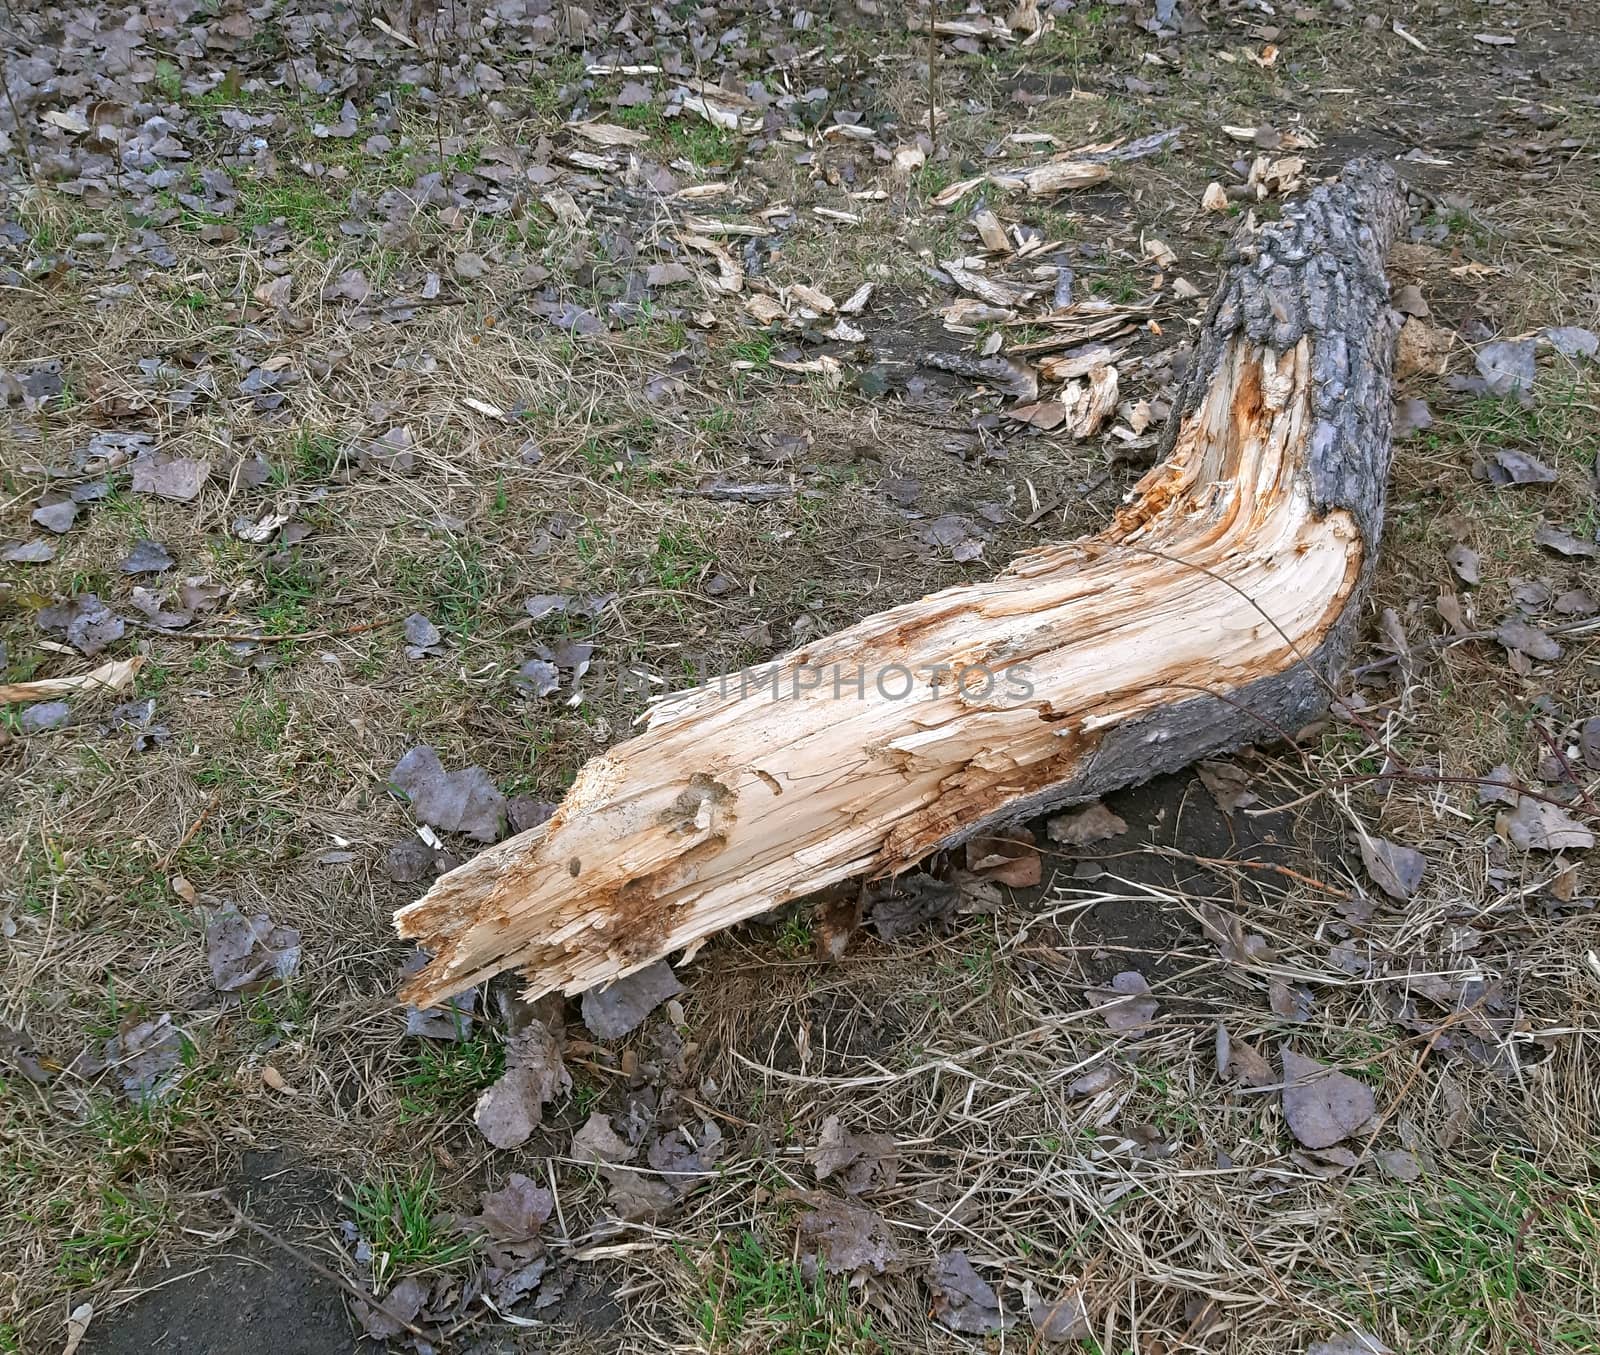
(1092, 1083)
(1572, 342)
(1530, 594)
(275, 291)
(56, 516)
(1464, 561)
(1538, 825)
(1041, 414)
(1126, 1006)
(1564, 543)
(1518, 635)
(409, 860)
(513, 1216)
(639, 1195)
(1395, 869)
(669, 275)
(622, 1006)
(1411, 415)
(846, 1238)
(1356, 1342)
(1011, 860)
(88, 624)
(246, 953)
(178, 478)
(350, 285)
(1498, 786)
(466, 801)
(1321, 1106)
(110, 677)
(1291, 1002)
(1067, 1319)
(38, 552)
(45, 716)
(1084, 827)
(538, 678)
(68, 120)
(1507, 367)
(147, 1058)
(1408, 301)
(906, 903)
(1448, 605)
(146, 557)
(1400, 1164)
(422, 636)
(864, 1161)
(1240, 1059)
(397, 1310)
(599, 1142)
(509, 1111)
(1228, 783)
(1511, 467)
(686, 1157)
(962, 1299)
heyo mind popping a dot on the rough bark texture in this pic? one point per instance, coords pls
(1212, 612)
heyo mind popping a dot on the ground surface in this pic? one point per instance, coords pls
(335, 306)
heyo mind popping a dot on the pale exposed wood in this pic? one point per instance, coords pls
(1209, 614)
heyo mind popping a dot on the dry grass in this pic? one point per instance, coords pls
(1172, 1197)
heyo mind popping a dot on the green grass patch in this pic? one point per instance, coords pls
(1508, 1260)
(277, 1012)
(678, 558)
(757, 350)
(446, 1075)
(407, 1225)
(642, 117)
(288, 590)
(699, 142)
(454, 588)
(753, 1301)
(311, 457)
(125, 1221)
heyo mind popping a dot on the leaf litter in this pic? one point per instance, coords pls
(962, 1299)
(510, 1110)
(465, 801)
(863, 1162)
(245, 954)
(623, 1006)
(1323, 1107)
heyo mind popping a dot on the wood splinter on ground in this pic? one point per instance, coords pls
(1212, 612)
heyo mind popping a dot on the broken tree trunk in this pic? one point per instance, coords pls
(1213, 611)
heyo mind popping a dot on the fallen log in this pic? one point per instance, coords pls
(1216, 608)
